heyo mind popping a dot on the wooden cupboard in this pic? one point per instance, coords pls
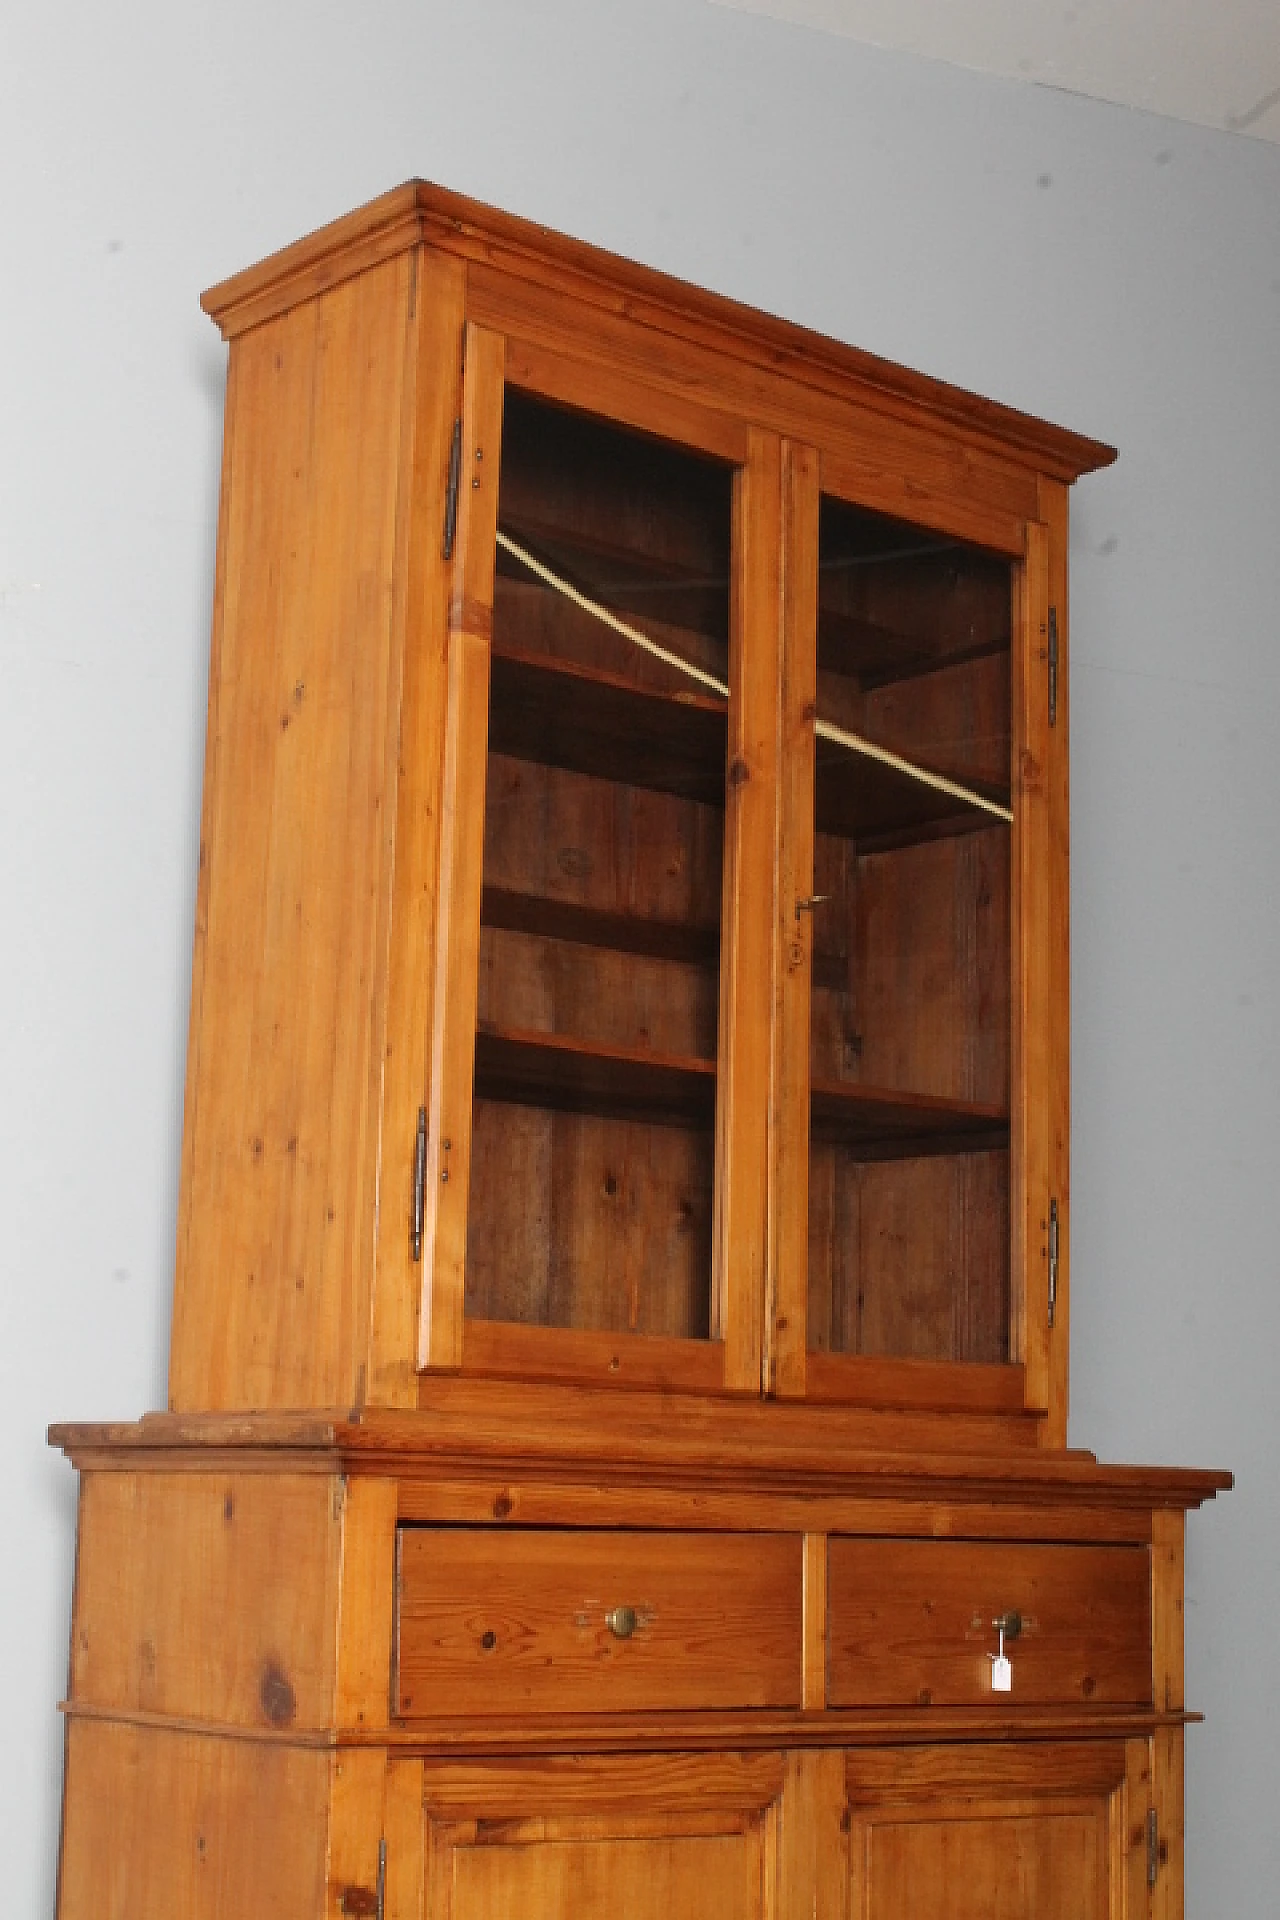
(615, 1452)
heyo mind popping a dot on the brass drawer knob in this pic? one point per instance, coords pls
(621, 1622)
(1010, 1625)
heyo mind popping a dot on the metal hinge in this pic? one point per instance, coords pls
(419, 1183)
(1053, 666)
(451, 489)
(1153, 1846)
(1053, 1261)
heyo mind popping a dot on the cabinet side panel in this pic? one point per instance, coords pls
(279, 1179)
(159, 1824)
(208, 1596)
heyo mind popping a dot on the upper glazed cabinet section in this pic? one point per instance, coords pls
(632, 937)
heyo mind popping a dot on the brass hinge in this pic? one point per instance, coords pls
(1053, 1261)
(1153, 1846)
(1053, 666)
(451, 490)
(419, 1184)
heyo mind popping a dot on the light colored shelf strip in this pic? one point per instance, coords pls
(825, 729)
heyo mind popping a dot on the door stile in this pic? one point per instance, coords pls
(1054, 512)
(747, 918)
(1035, 906)
(432, 381)
(793, 927)
(448, 1134)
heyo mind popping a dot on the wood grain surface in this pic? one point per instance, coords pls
(492, 1621)
(914, 1620)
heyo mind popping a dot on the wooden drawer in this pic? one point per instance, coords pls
(910, 1621)
(498, 1622)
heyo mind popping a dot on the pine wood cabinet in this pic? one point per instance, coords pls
(619, 1365)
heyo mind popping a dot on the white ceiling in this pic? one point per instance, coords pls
(1213, 62)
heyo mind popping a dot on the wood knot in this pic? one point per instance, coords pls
(357, 1900)
(275, 1695)
(739, 772)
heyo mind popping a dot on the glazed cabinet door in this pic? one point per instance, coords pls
(915, 915)
(663, 1837)
(594, 1141)
(1028, 1832)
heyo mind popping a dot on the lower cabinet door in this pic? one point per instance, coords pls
(1052, 1830)
(661, 1837)
(1027, 1832)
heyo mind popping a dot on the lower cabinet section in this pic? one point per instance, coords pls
(1001, 1831)
(304, 1692)
(183, 1826)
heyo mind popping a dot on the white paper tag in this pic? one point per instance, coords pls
(1001, 1674)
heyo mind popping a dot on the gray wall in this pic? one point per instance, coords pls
(1118, 273)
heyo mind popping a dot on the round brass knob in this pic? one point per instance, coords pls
(621, 1622)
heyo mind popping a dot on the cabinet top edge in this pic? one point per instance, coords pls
(408, 1444)
(420, 212)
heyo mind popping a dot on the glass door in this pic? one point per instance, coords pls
(902, 904)
(576, 1170)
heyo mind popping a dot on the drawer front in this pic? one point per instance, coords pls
(910, 1622)
(595, 1622)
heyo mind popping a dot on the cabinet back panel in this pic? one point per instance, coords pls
(911, 987)
(910, 1258)
(579, 1221)
(563, 986)
(602, 844)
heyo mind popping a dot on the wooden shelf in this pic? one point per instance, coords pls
(563, 715)
(569, 1075)
(594, 927)
(575, 1076)
(560, 714)
(877, 656)
(627, 578)
(863, 800)
(874, 1123)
